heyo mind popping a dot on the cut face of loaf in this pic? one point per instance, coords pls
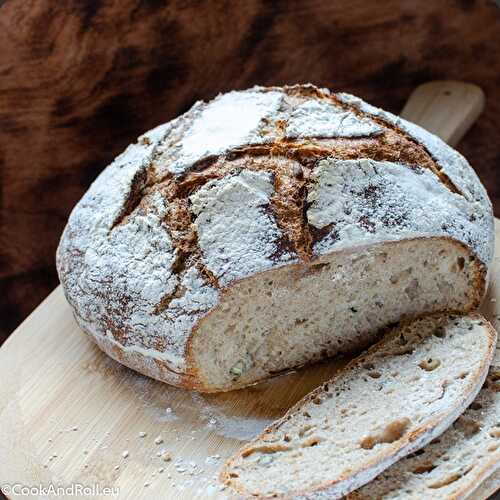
(387, 403)
(269, 228)
(461, 463)
(291, 316)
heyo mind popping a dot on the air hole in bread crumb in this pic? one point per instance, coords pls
(462, 375)
(476, 406)
(312, 441)
(392, 432)
(467, 426)
(493, 381)
(421, 469)
(368, 366)
(417, 453)
(445, 481)
(233, 474)
(495, 433)
(319, 267)
(317, 400)
(429, 364)
(439, 332)
(460, 263)
(374, 374)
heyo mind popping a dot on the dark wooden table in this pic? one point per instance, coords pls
(79, 80)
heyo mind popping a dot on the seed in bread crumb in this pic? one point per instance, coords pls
(146, 484)
(166, 457)
(265, 459)
(142, 434)
(159, 440)
(117, 467)
(74, 428)
(125, 454)
(168, 410)
(161, 470)
(237, 370)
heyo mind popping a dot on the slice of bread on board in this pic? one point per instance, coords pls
(386, 404)
(463, 463)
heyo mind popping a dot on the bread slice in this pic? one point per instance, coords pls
(453, 465)
(387, 403)
(487, 488)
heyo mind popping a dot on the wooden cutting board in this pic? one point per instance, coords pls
(71, 415)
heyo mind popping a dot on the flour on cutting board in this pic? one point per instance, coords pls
(207, 412)
(242, 428)
(169, 427)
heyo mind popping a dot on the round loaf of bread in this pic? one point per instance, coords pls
(269, 228)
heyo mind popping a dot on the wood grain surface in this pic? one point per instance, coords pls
(79, 80)
(68, 412)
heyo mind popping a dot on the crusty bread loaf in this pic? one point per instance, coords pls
(387, 403)
(270, 228)
(462, 463)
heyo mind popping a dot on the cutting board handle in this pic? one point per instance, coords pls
(445, 108)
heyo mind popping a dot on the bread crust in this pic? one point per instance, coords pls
(138, 265)
(413, 442)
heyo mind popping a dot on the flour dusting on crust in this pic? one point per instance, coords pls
(315, 118)
(366, 201)
(236, 235)
(451, 162)
(230, 120)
